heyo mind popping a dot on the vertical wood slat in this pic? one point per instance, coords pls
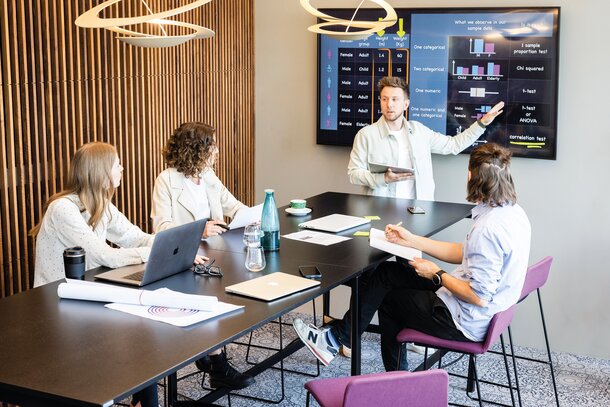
(62, 85)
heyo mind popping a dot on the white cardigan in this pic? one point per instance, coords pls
(174, 205)
(374, 144)
(65, 225)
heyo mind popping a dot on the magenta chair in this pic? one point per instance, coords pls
(536, 277)
(388, 389)
(499, 323)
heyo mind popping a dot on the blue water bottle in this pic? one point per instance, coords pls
(270, 223)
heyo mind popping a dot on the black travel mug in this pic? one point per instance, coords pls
(74, 262)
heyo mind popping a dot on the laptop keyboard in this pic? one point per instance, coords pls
(137, 276)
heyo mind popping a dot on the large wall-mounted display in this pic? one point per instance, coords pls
(458, 64)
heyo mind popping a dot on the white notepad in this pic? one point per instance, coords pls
(378, 241)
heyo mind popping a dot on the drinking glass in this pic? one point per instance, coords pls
(252, 235)
(255, 258)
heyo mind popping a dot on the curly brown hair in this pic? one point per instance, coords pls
(190, 147)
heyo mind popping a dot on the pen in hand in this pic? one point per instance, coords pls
(399, 223)
(222, 225)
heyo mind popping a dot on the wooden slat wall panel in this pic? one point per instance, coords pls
(62, 86)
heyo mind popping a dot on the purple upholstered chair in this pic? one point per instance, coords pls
(499, 323)
(536, 277)
(388, 389)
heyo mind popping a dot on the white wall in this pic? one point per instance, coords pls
(567, 200)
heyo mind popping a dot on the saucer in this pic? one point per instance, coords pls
(298, 212)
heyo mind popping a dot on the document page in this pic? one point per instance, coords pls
(310, 236)
(162, 297)
(174, 316)
(378, 241)
(246, 216)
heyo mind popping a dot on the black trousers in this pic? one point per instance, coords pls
(404, 300)
(148, 397)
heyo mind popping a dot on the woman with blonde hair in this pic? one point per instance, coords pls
(83, 215)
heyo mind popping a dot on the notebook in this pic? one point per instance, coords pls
(172, 251)
(272, 286)
(334, 223)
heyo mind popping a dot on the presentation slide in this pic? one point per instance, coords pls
(458, 64)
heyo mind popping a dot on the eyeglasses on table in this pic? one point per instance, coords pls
(208, 269)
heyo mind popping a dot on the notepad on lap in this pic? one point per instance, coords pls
(272, 286)
(334, 223)
(378, 241)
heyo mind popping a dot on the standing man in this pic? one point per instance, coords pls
(394, 141)
(457, 305)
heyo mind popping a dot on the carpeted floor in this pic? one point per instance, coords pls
(581, 381)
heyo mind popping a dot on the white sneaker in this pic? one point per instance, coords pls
(419, 349)
(315, 340)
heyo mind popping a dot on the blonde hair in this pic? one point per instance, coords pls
(89, 177)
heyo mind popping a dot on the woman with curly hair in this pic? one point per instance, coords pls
(189, 189)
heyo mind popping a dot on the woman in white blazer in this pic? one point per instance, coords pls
(190, 190)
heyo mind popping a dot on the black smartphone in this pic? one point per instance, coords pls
(416, 209)
(310, 272)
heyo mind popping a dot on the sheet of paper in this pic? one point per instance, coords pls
(310, 236)
(246, 216)
(164, 297)
(378, 241)
(175, 316)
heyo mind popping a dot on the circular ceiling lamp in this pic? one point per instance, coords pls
(366, 28)
(91, 19)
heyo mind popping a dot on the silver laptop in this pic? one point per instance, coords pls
(272, 286)
(173, 251)
(335, 223)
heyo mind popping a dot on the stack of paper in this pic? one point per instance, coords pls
(90, 291)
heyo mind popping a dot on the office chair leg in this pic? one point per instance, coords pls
(470, 381)
(512, 353)
(548, 347)
(476, 379)
(510, 385)
(307, 399)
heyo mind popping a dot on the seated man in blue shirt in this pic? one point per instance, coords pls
(458, 305)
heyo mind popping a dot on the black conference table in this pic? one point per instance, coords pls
(67, 352)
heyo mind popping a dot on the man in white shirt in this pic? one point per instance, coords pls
(393, 140)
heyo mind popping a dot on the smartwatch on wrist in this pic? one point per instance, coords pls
(437, 278)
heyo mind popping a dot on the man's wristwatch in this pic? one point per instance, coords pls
(437, 279)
